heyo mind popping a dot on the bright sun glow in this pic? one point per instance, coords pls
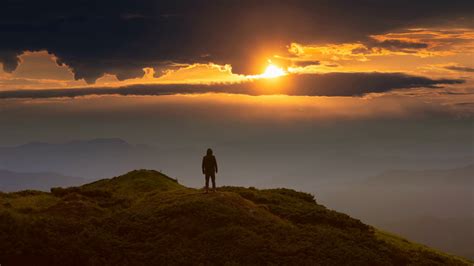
(273, 71)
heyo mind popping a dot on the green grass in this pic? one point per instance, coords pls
(148, 218)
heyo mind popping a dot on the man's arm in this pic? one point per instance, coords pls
(202, 166)
(215, 163)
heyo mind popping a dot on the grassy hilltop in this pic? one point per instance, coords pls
(147, 218)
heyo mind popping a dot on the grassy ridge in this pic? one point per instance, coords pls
(145, 217)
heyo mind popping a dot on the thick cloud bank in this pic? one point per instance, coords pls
(332, 84)
(123, 36)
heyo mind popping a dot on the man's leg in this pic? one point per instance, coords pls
(213, 176)
(207, 183)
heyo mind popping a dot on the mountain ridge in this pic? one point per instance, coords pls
(452, 176)
(146, 217)
(11, 181)
(89, 159)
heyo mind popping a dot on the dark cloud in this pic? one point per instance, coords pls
(465, 104)
(461, 68)
(331, 84)
(456, 93)
(373, 45)
(305, 63)
(9, 60)
(360, 50)
(397, 45)
(123, 36)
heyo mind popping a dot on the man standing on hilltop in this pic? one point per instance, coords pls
(209, 169)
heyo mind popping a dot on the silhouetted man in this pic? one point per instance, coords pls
(209, 169)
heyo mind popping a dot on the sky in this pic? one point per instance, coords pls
(220, 70)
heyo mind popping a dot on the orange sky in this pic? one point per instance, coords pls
(453, 47)
(449, 54)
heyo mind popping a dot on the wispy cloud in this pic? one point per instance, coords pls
(330, 84)
(460, 68)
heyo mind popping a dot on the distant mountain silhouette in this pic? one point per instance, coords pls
(454, 235)
(400, 201)
(14, 181)
(148, 218)
(85, 158)
(457, 176)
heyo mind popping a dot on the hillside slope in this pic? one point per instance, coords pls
(147, 218)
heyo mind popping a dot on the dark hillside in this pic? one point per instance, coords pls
(147, 218)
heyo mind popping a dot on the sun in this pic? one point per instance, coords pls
(273, 71)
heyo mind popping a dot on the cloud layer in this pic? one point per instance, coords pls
(460, 68)
(331, 84)
(122, 37)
